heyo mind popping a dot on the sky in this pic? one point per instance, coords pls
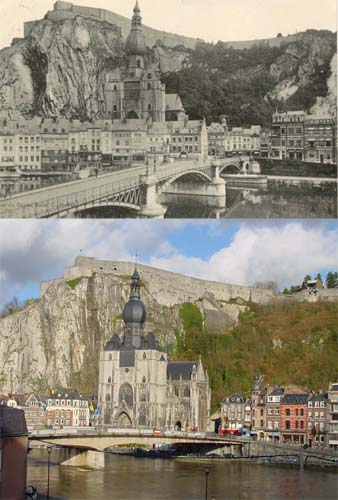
(211, 20)
(230, 251)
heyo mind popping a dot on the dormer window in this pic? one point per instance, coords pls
(149, 75)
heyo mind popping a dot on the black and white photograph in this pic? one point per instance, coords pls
(187, 109)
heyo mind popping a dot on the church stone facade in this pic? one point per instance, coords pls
(135, 91)
(139, 387)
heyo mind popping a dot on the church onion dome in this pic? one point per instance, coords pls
(136, 43)
(134, 310)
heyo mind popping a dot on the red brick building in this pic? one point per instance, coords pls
(293, 418)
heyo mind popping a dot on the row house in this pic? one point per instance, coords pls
(31, 405)
(287, 414)
(293, 418)
(159, 141)
(66, 408)
(235, 412)
(216, 139)
(319, 139)
(189, 137)
(332, 416)
(298, 136)
(287, 138)
(243, 140)
(317, 420)
(272, 410)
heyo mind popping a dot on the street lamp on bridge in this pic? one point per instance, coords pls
(49, 449)
(206, 470)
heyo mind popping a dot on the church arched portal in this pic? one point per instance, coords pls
(178, 426)
(132, 115)
(123, 420)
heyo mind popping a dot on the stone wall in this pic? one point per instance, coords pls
(66, 10)
(167, 287)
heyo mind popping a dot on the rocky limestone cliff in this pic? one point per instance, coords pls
(56, 340)
(59, 69)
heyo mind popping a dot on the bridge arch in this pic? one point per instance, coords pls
(101, 204)
(230, 168)
(192, 173)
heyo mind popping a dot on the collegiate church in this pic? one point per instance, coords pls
(139, 387)
(136, 91)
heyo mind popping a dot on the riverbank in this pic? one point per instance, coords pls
(297, 168)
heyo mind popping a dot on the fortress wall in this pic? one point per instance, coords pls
(169, 288)
(66, 10)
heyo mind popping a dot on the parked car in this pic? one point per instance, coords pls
(230, 432)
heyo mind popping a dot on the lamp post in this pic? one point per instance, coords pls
(206, 470)
(49, 449)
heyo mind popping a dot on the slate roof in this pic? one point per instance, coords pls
(233, 398)
(173, 102)
(294, 399)
(176, 369)
(12, 422)
(278, 391)
(318, 397)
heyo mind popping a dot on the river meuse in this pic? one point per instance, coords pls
(132, 478)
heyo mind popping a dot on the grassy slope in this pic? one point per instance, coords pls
(304, 350)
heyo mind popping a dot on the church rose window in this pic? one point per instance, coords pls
(126, 395)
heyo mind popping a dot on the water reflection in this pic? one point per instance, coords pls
(278, 200)
(157, 479)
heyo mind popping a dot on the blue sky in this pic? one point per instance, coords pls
(232, 251)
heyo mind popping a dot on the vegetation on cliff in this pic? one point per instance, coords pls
(287, 342)
(247, 85)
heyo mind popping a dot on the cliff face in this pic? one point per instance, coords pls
(59, 69)
(249, 84)
(57, 339)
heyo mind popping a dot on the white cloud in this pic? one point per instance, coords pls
(281, 253)
(31, 251)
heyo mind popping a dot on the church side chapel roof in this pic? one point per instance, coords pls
(173, 102)
(178, 369)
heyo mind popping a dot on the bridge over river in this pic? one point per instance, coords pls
(136, 188)
(84, 448)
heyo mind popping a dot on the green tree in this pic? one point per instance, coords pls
(331, 280)
(11, 307)
(305, 280)
(319, 281)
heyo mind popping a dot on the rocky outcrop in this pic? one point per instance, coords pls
(60, 68)
(304, 58)
(56, 340)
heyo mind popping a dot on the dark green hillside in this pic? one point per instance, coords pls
(287, 342)
(220, 79)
